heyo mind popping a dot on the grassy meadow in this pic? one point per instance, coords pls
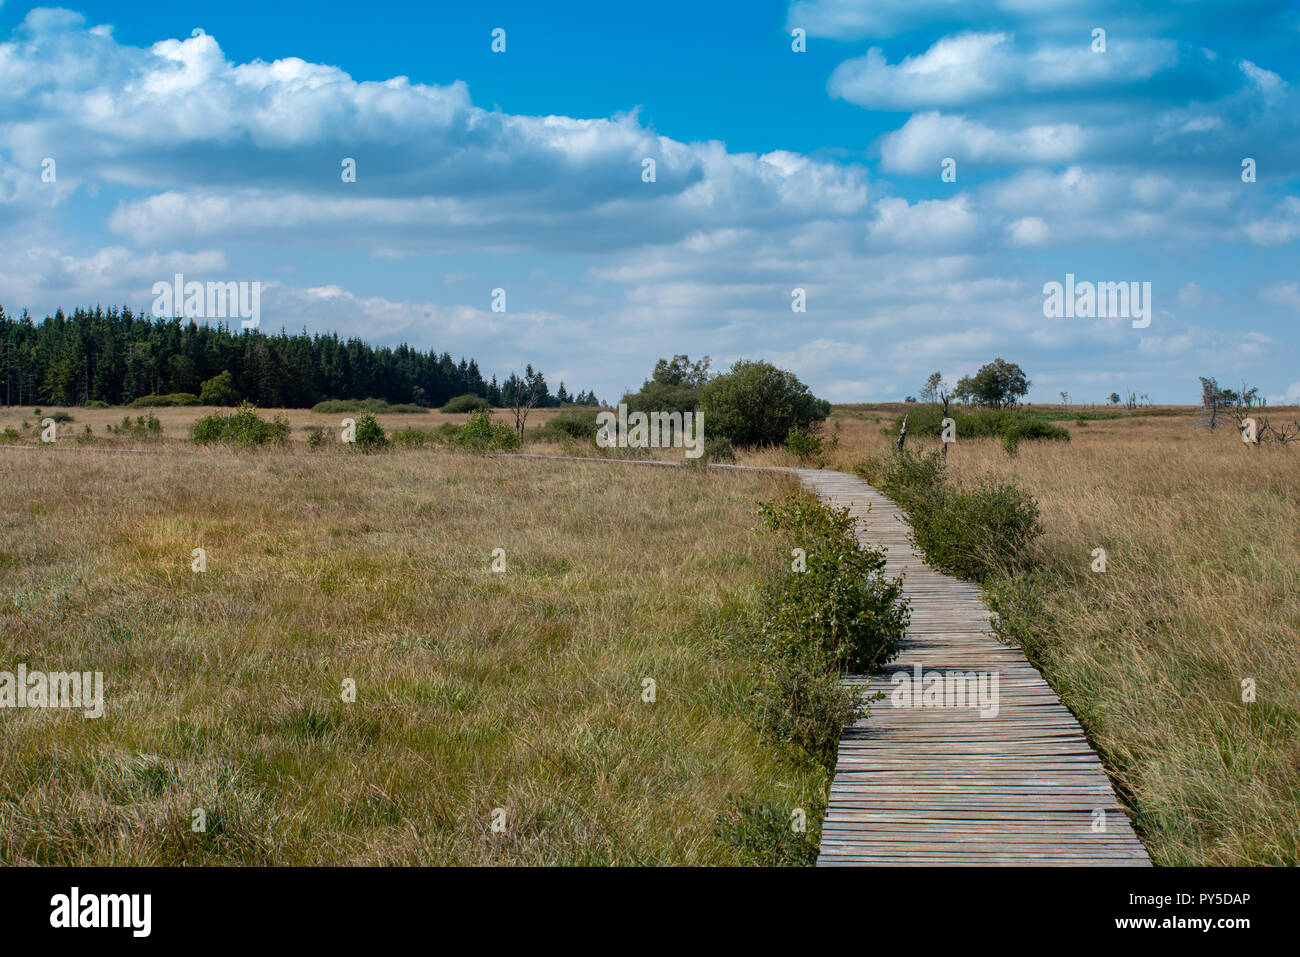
(522, 690)
(176, 420)
(475, 690)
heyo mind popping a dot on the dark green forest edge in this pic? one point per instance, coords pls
(117, 356)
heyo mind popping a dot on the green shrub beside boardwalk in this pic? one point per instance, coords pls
(833, 612)
(972, 532)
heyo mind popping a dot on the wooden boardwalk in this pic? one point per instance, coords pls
(961, 785)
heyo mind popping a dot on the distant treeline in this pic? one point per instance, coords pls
(116, 356)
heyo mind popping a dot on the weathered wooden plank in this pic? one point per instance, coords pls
(961, 785)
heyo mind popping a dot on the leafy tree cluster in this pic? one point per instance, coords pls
(673, 386)
(999, 384)
(116, 356)
(752, 403)
(755, 403)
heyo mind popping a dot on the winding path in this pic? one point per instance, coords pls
(926, 786)
(961, 785)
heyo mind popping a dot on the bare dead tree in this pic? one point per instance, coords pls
(1287, 433)
(1247, 404)
(1282, 435)
(1238, 412)
(523, 399)
(902, 436)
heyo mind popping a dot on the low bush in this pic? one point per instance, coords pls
(465, 403)
(982, 423)
(1032, 427)
(170, 399)
(210, 428)
(974, 532)
(412, 438)
(804, 444)
(718, 449)
(96, 404)
(577, 424)
(922, 420)
(840, 606)
(481, 434)
(242, 428)
(245, 428)
(800, 701)
(373, 406)
(339, 406)
(370, 435)
(764, 835)
(979, 532)
(1011, 440)
(318, 436)
(219, 390)
(143, 427)
(833, 612)
(905, 477)
(59, 416)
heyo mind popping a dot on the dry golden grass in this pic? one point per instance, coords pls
(523, 690)
(176, 420)
(475, 690)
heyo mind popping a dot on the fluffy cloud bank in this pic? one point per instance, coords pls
(254, 148)
(174, 158)
(991, 67)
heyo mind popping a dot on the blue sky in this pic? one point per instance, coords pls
(217, 154)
